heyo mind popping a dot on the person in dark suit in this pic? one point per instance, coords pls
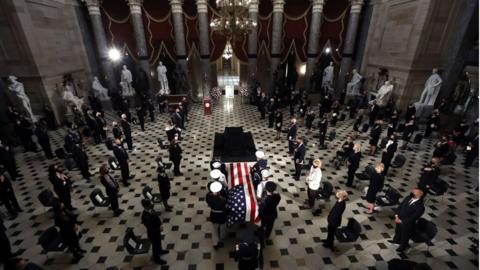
(111, 189)
(392, 123)
(310, 116)
(141, 116)
(406, 215)
(278, 123)
(7, 159)
(122, 157)
(322, 128)
(441, 148)
(185, 108)
(81, 159)
(172, 132)
(68, 224)
(389, 152)
(408, 132)
(153, 224)
(102, 125)
(262, 103)
(62, 186)
(5, 247)
(271, 112)
(428, 177)
(411, 111)
(377, 180)
(432, 123)
(353, 164)
(372, 116)
(177, 119)
(7, 196)
(292, 135)
(71, 138)
(375, 133)
(298, 157)
(148, 105)
(127, 131)
(93, 126)
(164, 186)
(218, 211)
(49, 117)
(175, 156)
(117, 131)
(471, 153)
(334, 218)
(268, 209)
(43, 139)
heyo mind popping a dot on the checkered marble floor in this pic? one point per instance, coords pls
(295, 241)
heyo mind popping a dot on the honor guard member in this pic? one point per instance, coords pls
(218, 211)
(261, 191)
(268, 209)
(218, 176)
(216, 164)
(260, 165)
(248, 252)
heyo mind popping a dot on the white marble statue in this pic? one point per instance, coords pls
(99, 91)
(327, 79)
(126, 82)
(353, 87)
(432, 87)
(70, 98)
(162, 76)
(384, 94)
(17, 88)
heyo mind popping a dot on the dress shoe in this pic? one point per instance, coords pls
(163, 252)
(131, 176)
(393, 242)
(82, 250)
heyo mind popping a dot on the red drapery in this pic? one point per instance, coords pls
(159, 32)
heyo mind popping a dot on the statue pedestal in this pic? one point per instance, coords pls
(423, 110)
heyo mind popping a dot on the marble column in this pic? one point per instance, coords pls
(276, 42)
(253, 39)
(139, 32)
(349, 44)
(101, 42)
(180, 47)
(203, 26)
(313, 38)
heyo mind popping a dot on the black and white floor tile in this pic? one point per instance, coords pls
(295, 242)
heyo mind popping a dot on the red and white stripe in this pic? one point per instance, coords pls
(240, 175)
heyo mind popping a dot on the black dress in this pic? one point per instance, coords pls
(375, 134)
(376, 184)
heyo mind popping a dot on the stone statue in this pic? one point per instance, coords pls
(384, 94)
(70, 98)
(99, 91)
(162, 76)
(327, 80)
(126, 82)
(353, 87)
(16, 88)
(432, 87)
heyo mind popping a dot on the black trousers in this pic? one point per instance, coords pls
(291, 146)
(312, 195)
(322, 139)
(403, 233)
(142, 123)
(271, 119)
(10, 201)
(298, 170)
(267, 227)
(47, 149)
(113, 197)
(386, 163)
(66, 198)
(96, 137)
(5, 248)
(350, 176)
(156, 240)
(103, 133)
(128, 139)
(176, 166)
(330, 235)
(125, 171)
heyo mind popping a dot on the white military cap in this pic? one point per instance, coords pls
(215, 174)
(216, 164)
(260, 154)
(265, 173)
(215, 187)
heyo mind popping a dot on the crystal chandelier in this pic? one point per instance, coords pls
(233, 20)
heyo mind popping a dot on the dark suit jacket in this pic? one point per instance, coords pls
(391, 149)
(268, 207)
(175, 152)
(299, 153)
(152, 222)
(409, 214)
(120, 154)
(292, 132)
(79, 156)
(126, 128)
(354, 161)
(376, 132)
(111, 185)
(335, 216)
(117, 133)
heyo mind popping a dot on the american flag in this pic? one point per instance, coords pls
(241, 196)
